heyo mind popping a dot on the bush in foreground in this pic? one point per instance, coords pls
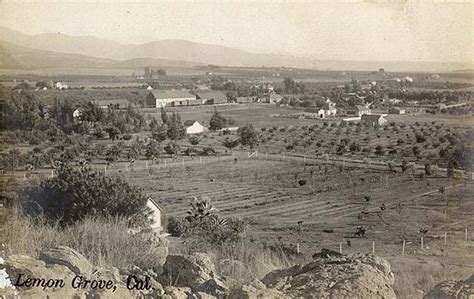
(73, 195)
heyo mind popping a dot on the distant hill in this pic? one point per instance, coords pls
(17, 57)
(188, 53)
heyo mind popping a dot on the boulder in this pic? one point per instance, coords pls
(335, 276)
(22, 267)
(453, 289)
(68, 257)
(188, 270)
(255, 290)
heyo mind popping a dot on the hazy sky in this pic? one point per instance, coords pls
(357, 30)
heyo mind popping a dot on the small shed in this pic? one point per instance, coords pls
(396, 110)
(374, 120)
(156, 215)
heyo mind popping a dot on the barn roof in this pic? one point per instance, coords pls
(189, 122)
(171, 94)
(211, 95)
(371, 117)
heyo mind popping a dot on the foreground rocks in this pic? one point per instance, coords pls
(453, 289)
(332, 275)
(329, 275)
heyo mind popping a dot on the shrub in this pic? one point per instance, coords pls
(73, 195)
(172, 148)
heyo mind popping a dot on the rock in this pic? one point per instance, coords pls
(176, 292)
(188, 270)
(28, 267)
(453, 289)
(255, 290)
(333, 275)
(229, 267)
(68, 257)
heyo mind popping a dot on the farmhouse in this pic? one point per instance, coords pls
(162, 98)
(358, 110)
(156, 215)
(211, 97)
(373, 120)
(396, 110)
(112, 104)
(243, 100)
(274, 98)
(193, 127)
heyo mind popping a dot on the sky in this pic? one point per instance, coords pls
(401, 30)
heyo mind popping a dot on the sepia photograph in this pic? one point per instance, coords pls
(236, 149)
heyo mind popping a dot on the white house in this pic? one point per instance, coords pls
(59, 85)
(193, 127)
(358, 110)
(156, 215)
(77, 113)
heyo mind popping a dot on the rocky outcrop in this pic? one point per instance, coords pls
(68, 257)
(335, 276)
(453, 289)
(256, 290)
(195, 271)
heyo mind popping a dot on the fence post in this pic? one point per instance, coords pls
(421, 242)
(373, 247)
(340, 247)
(165, 162)
(445, 238)
(465, 234)
(52, 173)
(403, 247)
(297, 247)
(24, 176)
(183, 161)
(105, 169)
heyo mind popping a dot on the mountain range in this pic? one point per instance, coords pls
(54, 50)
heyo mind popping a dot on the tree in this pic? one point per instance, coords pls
(248, 136)
(230, 144)
(176, 129)
(73, 195)
(164, 116)
(194, 140)
(217, 121)
(172, 148)
(113, 153)
(152, 149)
(113, 132)
(379, 150)
(11, 159)
(428, 170)
(160, 133)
